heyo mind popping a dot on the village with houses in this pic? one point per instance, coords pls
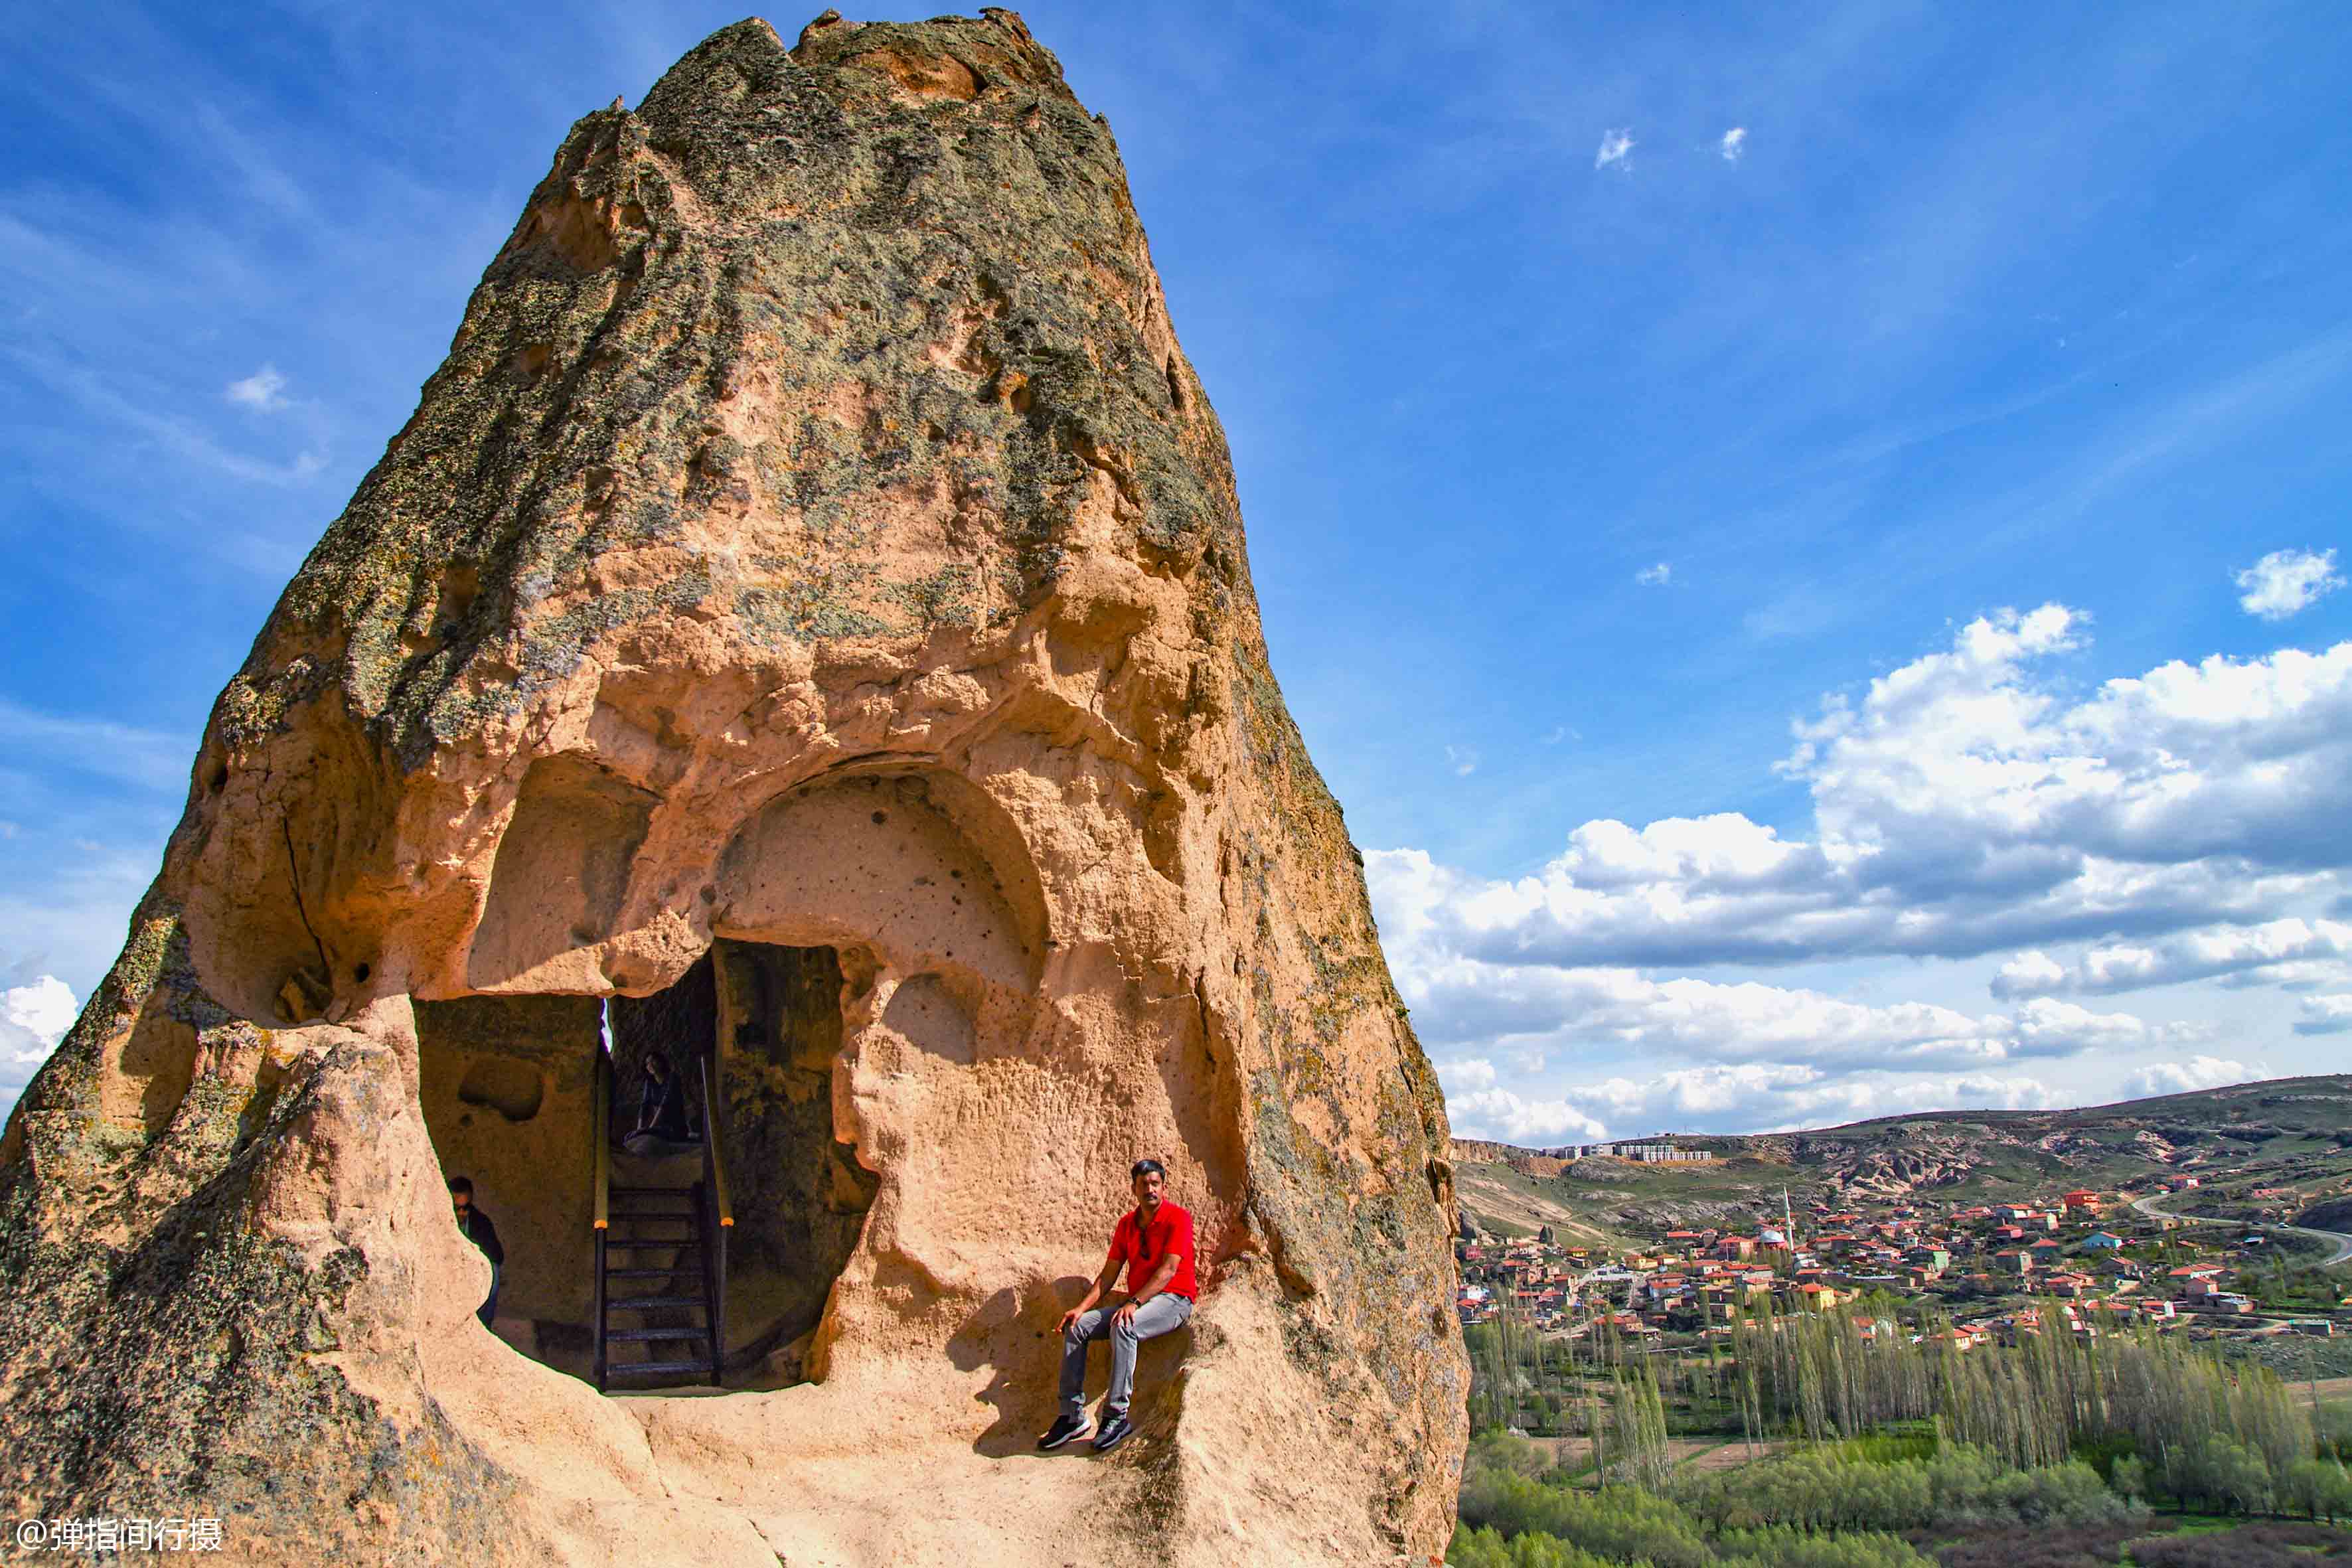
(1971, 1273)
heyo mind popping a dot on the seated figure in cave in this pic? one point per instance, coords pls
(661, 1126)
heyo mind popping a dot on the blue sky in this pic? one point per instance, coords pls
(1757, 516)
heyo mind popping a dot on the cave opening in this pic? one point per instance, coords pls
(511, 1098)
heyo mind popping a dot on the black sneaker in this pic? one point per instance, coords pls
(1065, 1428)
(1114, 1432)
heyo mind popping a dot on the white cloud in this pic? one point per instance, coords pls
(2181, 1078)
(1466, 1076)
(1655, 576)
(1964, 802)
(32, 1018)
(1734, 143)
(1462, 1001)
(2290, 950)
(2288, 581)
(1616, 146)
(1745, 1097)
(1461, 760)
(2030, 973)
(1498, 1114)
(264, 389)
(2330, 1014)
(1964, 805)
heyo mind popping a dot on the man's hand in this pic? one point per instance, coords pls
(1126, 1314)
(1069, 1318)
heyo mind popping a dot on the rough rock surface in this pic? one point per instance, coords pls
(815, 541)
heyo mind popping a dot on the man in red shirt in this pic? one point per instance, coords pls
(1154, 1243)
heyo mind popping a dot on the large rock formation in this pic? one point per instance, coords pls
(815, 553)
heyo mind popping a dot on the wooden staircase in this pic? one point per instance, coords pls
(645, 1224)
(661, 1262)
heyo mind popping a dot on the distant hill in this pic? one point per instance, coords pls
(2294, 1135)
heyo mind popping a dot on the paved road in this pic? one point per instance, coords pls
(2153, 1204)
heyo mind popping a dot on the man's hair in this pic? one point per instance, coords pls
(462, 1185)
(659, 1056)
(1154, 1166)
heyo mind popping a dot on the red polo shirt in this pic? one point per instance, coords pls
(1171, 1230)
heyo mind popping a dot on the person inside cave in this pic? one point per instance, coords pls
(661, 1109)
(475, 1226)
(1153, 1243)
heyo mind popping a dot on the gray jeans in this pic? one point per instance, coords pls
(1153, 1318)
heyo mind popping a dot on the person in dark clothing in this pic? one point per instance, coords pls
(661, 1106)
(475, 1226)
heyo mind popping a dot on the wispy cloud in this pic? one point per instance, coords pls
(264, 389)
(1461, 760)
(1657, 576)
(1734, 143)
(170, 432)
(2285, 582)
(1616, 146)
(145, 758)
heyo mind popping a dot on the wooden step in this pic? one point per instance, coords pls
(650, 1191)
(693, 1333)
(640, 1368)
(646, 1273)
(648, 1303)
(650, 1243)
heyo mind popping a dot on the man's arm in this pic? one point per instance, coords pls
(1151, 1287)
(1102, 1282)
(486, 1236)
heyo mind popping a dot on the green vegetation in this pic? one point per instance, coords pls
(1952, 1356)
(1894, 1451)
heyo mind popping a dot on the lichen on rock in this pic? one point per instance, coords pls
(815, 563)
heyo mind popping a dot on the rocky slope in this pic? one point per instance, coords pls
(815, 543)
(2288, 1131)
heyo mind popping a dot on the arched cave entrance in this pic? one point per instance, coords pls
(510, 1094)
(908, 898)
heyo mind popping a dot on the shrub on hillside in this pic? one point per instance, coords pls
(2318, 1487)
(1786, 1548)
(1815, 1490)
(2248, 1546)
(1492, 1549)
(2333, 1422)
(2039, 1546)
(1621, 1523)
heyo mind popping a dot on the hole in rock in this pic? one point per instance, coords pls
(513, 1088)
(715, 1249)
